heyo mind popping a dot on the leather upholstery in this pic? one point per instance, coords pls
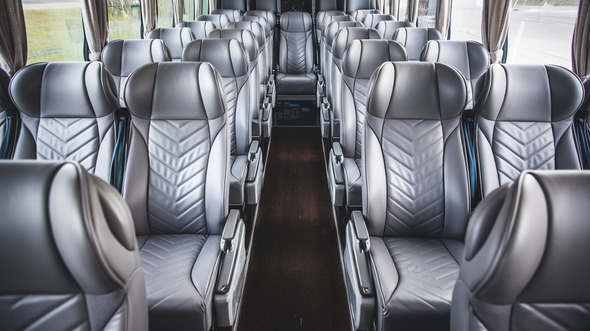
(229, 57)
(269, 15)
(469, 57)
(387, 28)
(220, 21)
(324, 5)
(296, 55)
(176, 185)
(322, 37)
(200, 29)
(526, 253)
(233, 15)
(259, 33)
(174, 38)
(5, 102)
(319, 21)
(67, 113)
(371, 20)
(360, 14)
(268, 34)
(122, 57)
(352, 5)
(68, 251)
(414, 40)
(415, 191)
(361, 58)
(526, 126)
(241, 5)
(331, 31)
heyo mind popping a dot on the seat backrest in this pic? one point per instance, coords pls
(230, 59)
(5, 104)
(414, 40)
(319, 19)
(174, 38)
(296, 44)
(122, 57)
(218, 20)
(240, 5)
(322, 43)
(526, 257)
(269, 15)
(361, 58)
(371, 20)
(233, 15)
(387, 28)
(176, 180)
(67, 112)
(469, 57)
(259, 33)
(68, 251)
(352, 5)
(200, 29)
(414, 169)
(331, 31)
(524, 120)
(268, 34)
(360, 14)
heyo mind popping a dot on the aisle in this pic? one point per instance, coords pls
(294, 280)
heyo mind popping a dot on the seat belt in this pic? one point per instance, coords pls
(314, 38)
(120, 152)
(9, 138)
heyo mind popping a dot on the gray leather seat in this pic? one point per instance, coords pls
(122, 57)
(296, 75)
(220, 21)
(240, 5)
(230, 59)
(8, 118)
(319, 21)
(267, 14)
(68, 251)
(526, 257)
(387, 28)
(403, 252)
(343, 38)
(67, 112)
(371, 20)
(200, 29)
(322, 43)
(526, 126)
(360, 14)
(176, 185)
(258, 30)
(233, 15)
(174, 38)
(361, 58)
(268, 37)
(414, 40)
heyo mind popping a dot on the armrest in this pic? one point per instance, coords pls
(254, 156)
(266, 109)
(229, 230)
(325, 111)
(360, 230)
(337, 158)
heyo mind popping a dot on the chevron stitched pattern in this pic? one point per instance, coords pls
(413, 155)
(361, 90)
(167, 261)
(178, 153)
(231, 91)
(520, 146)
(551, 316)
(69, 139)
(43, 312)
(427, 274)
(296, 53)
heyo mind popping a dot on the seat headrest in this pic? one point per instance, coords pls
(414, 39)
(64, 89)
(330, 19)
(295, 22)
(254, 27)
(333, 28)
(200, 29)
(360, 14)
(469, 57)
(362, 57)
(321, 15)
(219, 20)
(387, 28)
(121, 57)
(416, 90)
(346, 35)
(269, 15)
(539, 93)
(371, 20)
(228, 56)
(528, 241)
(232, 15)
(246, 37)
(174, 38)
(262, 21)
(175, 91)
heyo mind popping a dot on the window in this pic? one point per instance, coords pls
(188, 10)
(402, 13)
(466, 20)
(164, 14)
(427, 13)
(541, 31)
(124, 19)
(54, 30)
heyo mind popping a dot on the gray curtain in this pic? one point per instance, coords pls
(96, 26)
(443, 17)
(494, 26)
(581, 40)
(13, 36)
(148, 15)
(413, 11)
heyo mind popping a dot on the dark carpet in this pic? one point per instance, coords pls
(294, 279)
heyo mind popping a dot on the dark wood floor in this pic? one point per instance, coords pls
(294, 278)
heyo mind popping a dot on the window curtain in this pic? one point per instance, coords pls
(178, 6)
(13, 36)
(96, 26)
(494, 26)
(443, 17)
(413, 11)
(148, 15)
(581, 40)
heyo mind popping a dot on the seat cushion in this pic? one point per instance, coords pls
(414, 280)
(180, 279)
(296, 84)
